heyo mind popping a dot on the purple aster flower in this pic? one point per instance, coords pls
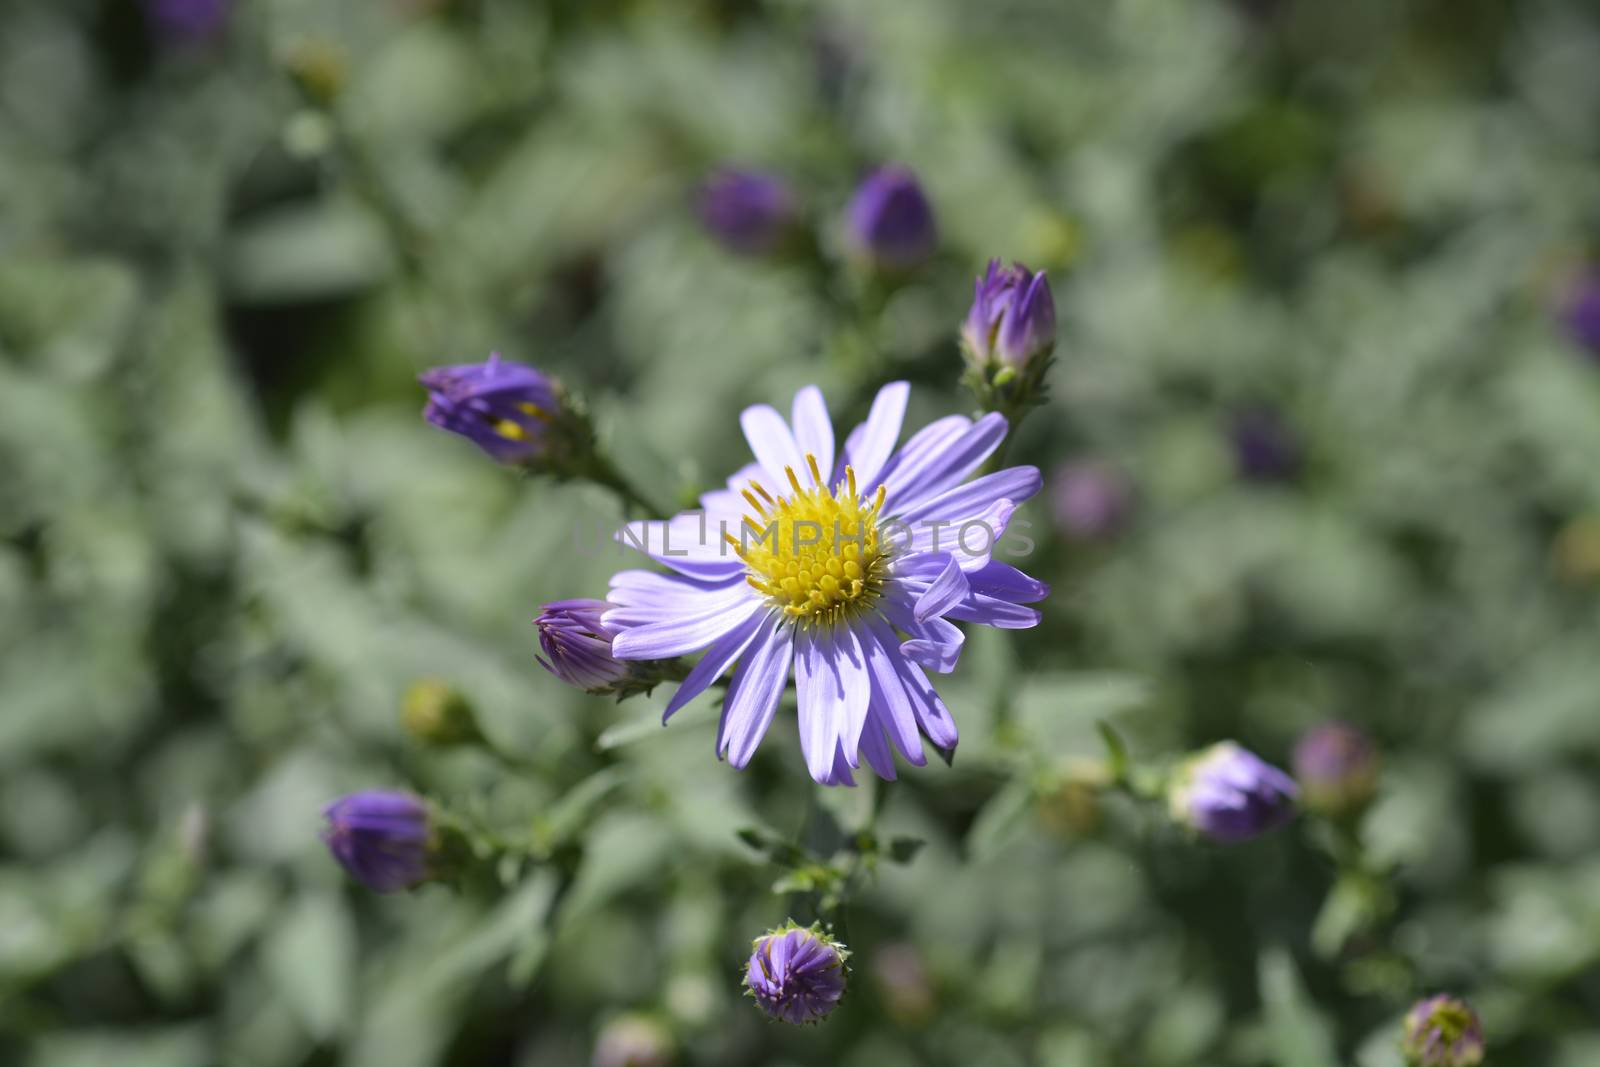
(1337, 768)
(1442, 1031)
(633, 1041)
(748, 211)
(796, 974)
(381, 837)
(504, 408)
(1090, 500)
(1230, 794)
(1582, 313)
(578, 645)
(1265, 448)
(188, 20)
(1012, 320)
(846, 566)
(890, 220)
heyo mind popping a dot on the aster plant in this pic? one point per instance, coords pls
(848, 567)
(796, 973)
(519, 416)
(382, 838)
(1230, 795)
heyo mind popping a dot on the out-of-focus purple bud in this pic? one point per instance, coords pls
(504, 408)
(1090, 501)
(796, 973)
(890, 221)
(180, 21)
(381, 837)
(1442, 1031)
(1012, 320)
(1582, 313)
(903, 982)
(1265, 448)
(1337, 768)
(633, 1041)
(1230, 794)
(578, 645)
(748, 211)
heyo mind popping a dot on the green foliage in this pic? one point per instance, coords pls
(228, 543)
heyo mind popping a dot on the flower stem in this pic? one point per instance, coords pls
(602, 471)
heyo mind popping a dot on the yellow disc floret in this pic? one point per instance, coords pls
(817, 553)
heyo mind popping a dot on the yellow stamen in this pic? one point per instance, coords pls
(818, 554)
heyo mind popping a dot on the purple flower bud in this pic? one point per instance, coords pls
(381, 837)
(903, 982)
(1442, 1031)
(179, 21)
(1090, 500)
(503, 408)
(890, 220)
(1013, 318)
(796, 974)
(1582, 313)
(1337, 768)
(578, 645)
(748, 211)
(1230, 794)
(1265, 448)
(633, 1041)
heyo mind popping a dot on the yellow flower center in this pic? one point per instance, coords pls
(817, 553)
(512, 430)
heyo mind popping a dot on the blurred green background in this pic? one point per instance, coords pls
(228, 542)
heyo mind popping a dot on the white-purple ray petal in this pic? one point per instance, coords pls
(891, 706)
(1005, 582)
(688, 543)
(718, 658)
(948, 588)
(754, 693)
(875, 747)
(813, 431)
(932, 715)
(927, 475)
(855, 685)
(639, 604)
(991, 611)
(925, 442)
(964, 502)
(971, 543)
(819, 697)
(773, 444)
(683, 635)
(870, 445)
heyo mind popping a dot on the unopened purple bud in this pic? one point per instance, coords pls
(577, 645)
(1265, 448)
(903, 982)
(180, 21)
(1582, 313)
(381, 837)
(1230, 794)
(633, 1041)
(890, 220)
(1012, 320)
(1337, 768)
(1090, 500)
(504, 408)
(1442, 1031)
(748, 211)
(796, 974)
